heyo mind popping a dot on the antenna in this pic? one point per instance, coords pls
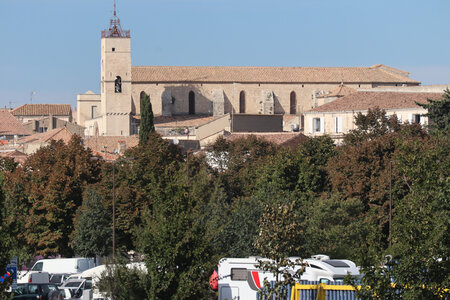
(115, 11)
(31, 97)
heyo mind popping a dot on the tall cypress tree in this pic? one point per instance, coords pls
(147, 126)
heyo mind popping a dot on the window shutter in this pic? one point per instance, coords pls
(422, 120)
(311, 129)
(399, 118)
(410, 118)
(322, 125)
(339, 124)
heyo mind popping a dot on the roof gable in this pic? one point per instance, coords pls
(54, 134)
(9, 125)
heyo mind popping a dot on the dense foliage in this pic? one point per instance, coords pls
(147, 124)
(244, 197)
(438, 113)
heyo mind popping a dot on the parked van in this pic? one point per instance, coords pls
(240, 278)
(58, 266)
(63, 265)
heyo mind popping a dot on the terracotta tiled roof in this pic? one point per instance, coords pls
(374, 74)
(287, 139)
(387, 100)
(107, 146)
(42, 110)
(9, 125)
(182, 121)
(339, 91)
(18, 156)
(54, 134)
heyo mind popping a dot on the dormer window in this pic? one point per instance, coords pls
(118, 85)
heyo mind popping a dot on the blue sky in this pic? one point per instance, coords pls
(52, 47)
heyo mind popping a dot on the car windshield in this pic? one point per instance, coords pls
(73, 284)
(56, 278)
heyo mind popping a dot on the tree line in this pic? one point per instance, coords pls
(184, 212)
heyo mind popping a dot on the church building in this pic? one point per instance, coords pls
(211, 91)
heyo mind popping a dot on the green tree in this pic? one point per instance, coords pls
(279, 227)
(237, 161)
(93, 232)
(6, 165)
(136, 181)
(335, 226)
(176, 239)
(147, 123)
(371, 125)
(438, 112)
(43, 195)
(420, 266)
(311, 158)
(119, 282)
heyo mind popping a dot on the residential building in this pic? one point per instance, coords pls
(10, 128)
(33, 143)
(30, 112)
(337, 118)
(49, 123)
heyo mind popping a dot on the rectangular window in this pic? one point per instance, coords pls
(316, 124)
(93, 112)
(337, 124)
(239, 274)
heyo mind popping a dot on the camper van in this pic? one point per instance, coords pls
(240, 278)
(58, 266)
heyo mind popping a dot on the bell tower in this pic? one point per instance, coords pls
(116, 78)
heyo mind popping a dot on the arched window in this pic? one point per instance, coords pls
(191, 103)
(118, 85)
(293, 104)
(242, 102)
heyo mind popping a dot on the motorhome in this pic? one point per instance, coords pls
(240, 278)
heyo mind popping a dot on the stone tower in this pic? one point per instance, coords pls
(115, 72)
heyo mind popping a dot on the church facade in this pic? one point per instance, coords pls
(211, 91)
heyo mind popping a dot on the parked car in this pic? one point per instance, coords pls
(75, 287)
(33, 291)
(59, 279)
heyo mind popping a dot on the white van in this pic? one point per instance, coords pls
(240, 278)
(59, 266)
(63, 265)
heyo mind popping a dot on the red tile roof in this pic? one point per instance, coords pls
(183, 121)
(9, 125)
(286, 139)
(43, 110)
(55, 134)
(339, 91)
(18, 156)
(374, 74)
(107, 146)
(360, 101)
